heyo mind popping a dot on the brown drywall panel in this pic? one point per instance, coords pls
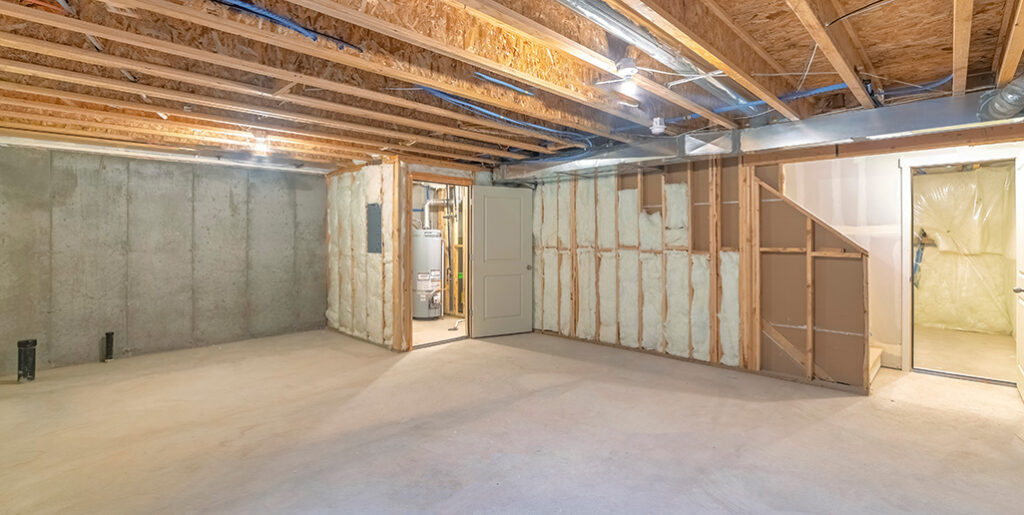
(676, 174)
(700, 228)
(651, 191)
(769, 174)
(839, 294)
(784, 289)
(730, 180)
(782, 226)
(730, 225)
(700, 187)
(840, 356)
(825, 239)
(776, 361)
(627, 181)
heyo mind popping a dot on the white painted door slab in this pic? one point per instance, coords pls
(1019, 273)
(501, 260)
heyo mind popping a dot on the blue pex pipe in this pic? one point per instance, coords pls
(500, 82)
(260, 12)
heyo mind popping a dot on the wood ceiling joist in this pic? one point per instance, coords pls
(963, 14)
(525, 27)
(240, 107)
(1013, 46)
(834, 43)
(347, 142)
(480, 44)
(717, 44)
(288, 78)
(167, 72)
(482, 92)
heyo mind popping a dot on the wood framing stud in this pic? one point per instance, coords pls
(1013, 46)
(963, 13)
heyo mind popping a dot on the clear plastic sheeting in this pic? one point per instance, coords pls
(700, 307)
(629, 293)
(586, 270)
(628, 218)
(677, 316)
(729, 310)
(653, 299)
(964, 248)
(608, 331)
(677, 215)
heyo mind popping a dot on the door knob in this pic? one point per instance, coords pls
(1018, 290)
(529, 267)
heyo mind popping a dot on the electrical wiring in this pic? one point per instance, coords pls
(260, 12)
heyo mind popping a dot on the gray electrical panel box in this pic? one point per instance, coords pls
(374, 244)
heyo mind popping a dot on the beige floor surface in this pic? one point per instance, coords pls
(989, 356)
(319, 423)
(430, 331)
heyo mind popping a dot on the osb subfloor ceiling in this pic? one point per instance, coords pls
(472, 83)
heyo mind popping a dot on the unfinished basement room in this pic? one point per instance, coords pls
(511, 256)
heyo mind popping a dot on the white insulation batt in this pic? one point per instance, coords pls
(564, 205)
(549, 227)
(608, 331)
(586, 270)
(538, 288)
(344, 202)
(538, 215)
(586, 223)
(729, 311)
(677, 215)
(677, 318)
(629, 296)
(700, 312)
(551, 290)
(628, 219)
(358, 217)
(653, 297)
(650, 231)
(388, 248)
(606, 212)
(565, 321)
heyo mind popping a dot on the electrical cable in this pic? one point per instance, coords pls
(500, 82)
(260, 12)
(814, 51)
(860, 10)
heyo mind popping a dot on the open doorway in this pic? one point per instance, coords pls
(439, 260)
(963, 267)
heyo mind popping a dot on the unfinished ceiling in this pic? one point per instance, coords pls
(474, 83)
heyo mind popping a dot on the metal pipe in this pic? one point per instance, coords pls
(26, 360)
(1005, 103)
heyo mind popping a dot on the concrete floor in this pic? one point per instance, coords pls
(432, 331)
(318, 423)
(992, 356)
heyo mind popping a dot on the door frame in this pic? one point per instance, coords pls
(907, 162)
(406, 254)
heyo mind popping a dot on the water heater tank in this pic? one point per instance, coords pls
(428, 282)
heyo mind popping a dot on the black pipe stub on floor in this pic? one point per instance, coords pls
(26, 360)
(109, 355)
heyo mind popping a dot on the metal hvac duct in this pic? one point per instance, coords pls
(1005, 103)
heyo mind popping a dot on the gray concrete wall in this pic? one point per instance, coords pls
(166, 255)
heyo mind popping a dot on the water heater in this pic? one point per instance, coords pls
(428, 280)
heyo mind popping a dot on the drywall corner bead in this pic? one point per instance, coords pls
(677, 214)
(585, 214)
(629, 224)
(538, 288)
(564, 203)
(608, 330)
(677, 317)
(629, 294)
(565, 319)
(729, 311)
(653, 290)
(650, 231)
(606, 212)
(700, 308)
(586, 270)
(551, 290)
(549, 227)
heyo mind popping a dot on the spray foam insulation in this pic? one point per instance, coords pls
(606, 285)
(628, 219)
(677, 317)
(538, 216)
(344, 201)
(586, 270)
(565, 320)
(700, 312)
(388, 251)
(653, 297)
(551, 276)
(549, 227)
(564, 204)
(964, 292)
(729, 310)
(677, 215)
(650, 231)
(586, 216)
(606, 212)
(358, 214)
(538, 288)
(629, 294)
(332, 253)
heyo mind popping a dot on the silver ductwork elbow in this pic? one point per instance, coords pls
(1005, 103)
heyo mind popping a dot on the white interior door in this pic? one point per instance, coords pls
(501, 261)
(1018, 330)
